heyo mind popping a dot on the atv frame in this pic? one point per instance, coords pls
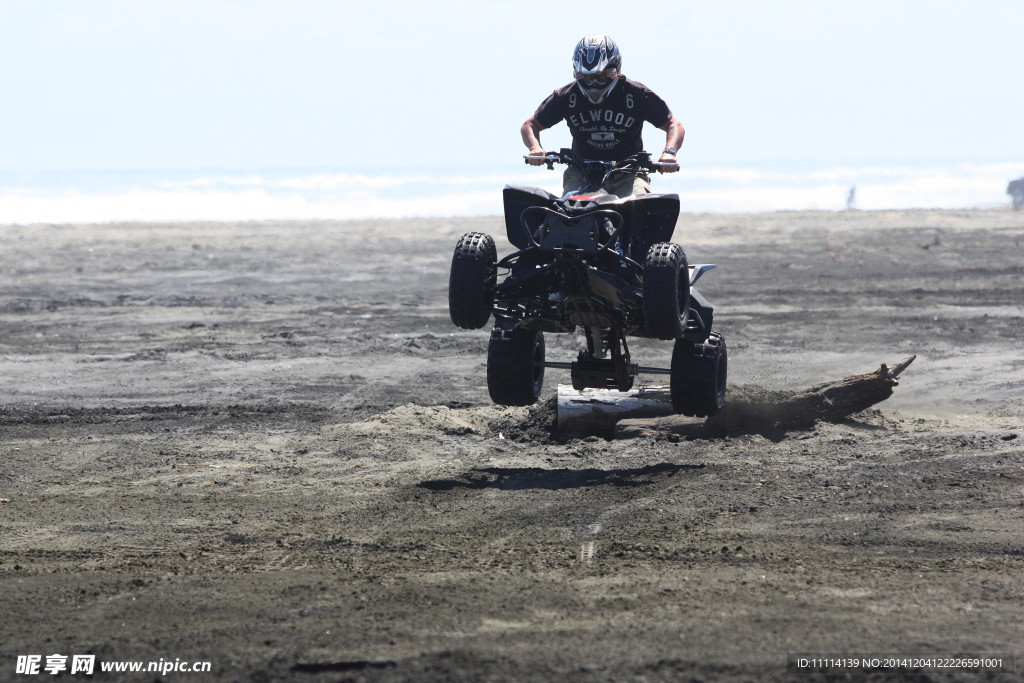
(594, 261)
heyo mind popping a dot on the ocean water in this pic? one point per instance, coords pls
(281, 194)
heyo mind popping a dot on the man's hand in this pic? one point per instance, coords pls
(536, 157)
(674, 133)
(531, 138)
(670, 161)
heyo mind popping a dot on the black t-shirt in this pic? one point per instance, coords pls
(609, 131)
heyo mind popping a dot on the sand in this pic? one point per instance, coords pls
(265, 446)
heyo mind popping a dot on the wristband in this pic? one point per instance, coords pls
(670, 150)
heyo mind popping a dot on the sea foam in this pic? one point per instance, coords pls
(307, 194)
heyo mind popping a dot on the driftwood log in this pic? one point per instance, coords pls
(834, 401)
(649, 412)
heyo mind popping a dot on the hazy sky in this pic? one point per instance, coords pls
(124, 84)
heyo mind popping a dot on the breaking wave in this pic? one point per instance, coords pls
(284, 194)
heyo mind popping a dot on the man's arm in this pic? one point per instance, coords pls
(674, 133)
(531, 138)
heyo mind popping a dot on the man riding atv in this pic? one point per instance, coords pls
(597, 259)
(605, 112)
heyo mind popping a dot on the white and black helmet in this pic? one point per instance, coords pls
(596, 64)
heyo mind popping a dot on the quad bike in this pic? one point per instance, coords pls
(594, 261)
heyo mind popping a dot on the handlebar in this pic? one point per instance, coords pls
(639, 161)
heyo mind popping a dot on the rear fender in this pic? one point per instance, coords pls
(703, 309)
(698, 269)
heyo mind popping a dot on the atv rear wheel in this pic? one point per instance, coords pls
(514, 373)
(471, 284)
(666, 291)
(699, 373)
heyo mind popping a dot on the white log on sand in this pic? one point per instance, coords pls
(596, 411)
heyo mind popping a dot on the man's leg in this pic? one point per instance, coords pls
(629, 185)
(572, 180)
(626, 187)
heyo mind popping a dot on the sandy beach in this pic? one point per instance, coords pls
(265, 446)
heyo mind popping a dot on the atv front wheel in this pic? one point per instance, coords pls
(471, 284)
(666, 291)
(699, 373)
(514, 371)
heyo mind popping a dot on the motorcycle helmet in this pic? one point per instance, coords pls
(596, 63)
